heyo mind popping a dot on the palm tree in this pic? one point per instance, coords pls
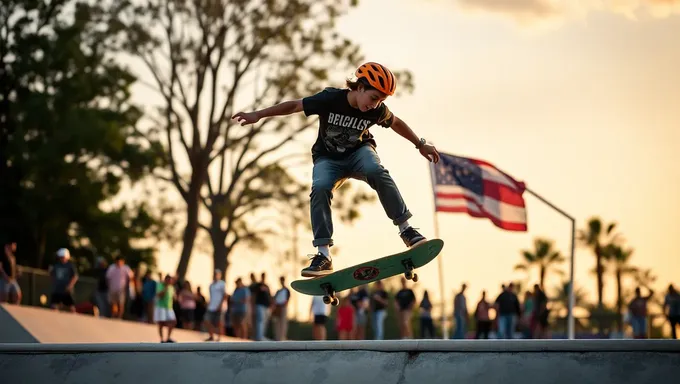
(562, 296)
(543, 256)
(644, 278)
(560, 302)
(596, 239)
(619, 259)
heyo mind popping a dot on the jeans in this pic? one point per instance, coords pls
(461, 327)
(329, 174)
(426, 328)
(280, 322)
(101, 300)
(261, 317)
(483, 328)
(379, 323)
(506, 326)
(639, 324)
(674, 320)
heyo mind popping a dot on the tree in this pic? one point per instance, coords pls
(644, 278)
(596, 237)
(562, 296)
(68, 140)
(619, 259)
(543, 256)
(205, 57)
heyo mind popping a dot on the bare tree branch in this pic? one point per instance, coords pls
(247, 182)
(176, 180)
(290, 42)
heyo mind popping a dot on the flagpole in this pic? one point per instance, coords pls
(570, 318)
(445, 329)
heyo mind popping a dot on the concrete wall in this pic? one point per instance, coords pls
(435, 361)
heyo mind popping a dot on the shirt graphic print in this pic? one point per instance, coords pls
(342, 128)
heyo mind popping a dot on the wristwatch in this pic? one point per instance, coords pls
(421, 142)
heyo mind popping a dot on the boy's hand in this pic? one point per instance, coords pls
(246, 118)
(430, 153)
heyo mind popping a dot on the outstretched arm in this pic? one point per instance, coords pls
(280, 109)
(428, 151)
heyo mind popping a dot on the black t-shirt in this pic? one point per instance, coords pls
(9, 264)
(377, 306)
(405, 298)
(508, 304)
(102, 283)
(358, 296)
(540, 302)
(342, 128)
(254, 287)
(263, 295)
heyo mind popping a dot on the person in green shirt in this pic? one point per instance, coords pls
(164, 315)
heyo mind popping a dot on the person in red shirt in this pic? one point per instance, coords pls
(345, 320)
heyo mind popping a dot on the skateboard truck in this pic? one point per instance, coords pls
(409, 274)
(329, 297)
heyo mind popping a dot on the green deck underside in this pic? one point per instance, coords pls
(388, 266)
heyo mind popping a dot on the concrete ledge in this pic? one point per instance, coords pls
(359, 362)
(538, 346)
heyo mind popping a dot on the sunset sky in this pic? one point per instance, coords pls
(580, 102)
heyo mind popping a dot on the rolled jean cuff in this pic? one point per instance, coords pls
(402, 218)
(320, 242)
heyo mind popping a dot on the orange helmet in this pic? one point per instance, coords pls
(378, 76)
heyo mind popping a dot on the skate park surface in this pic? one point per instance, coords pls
(355, 362)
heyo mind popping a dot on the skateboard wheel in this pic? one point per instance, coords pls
(327, 299)
(415, 277)
(408, 275)
(335, 301)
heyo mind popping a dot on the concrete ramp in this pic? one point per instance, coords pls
(11, 331)
(44, 325)
(398, 362)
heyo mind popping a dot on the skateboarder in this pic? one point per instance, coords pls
(345, 148)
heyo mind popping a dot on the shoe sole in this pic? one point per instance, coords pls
(418, 243)
(316, 274)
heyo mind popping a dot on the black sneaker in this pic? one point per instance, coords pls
(320, 266)
(411, 237)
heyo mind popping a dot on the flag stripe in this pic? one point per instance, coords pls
(495, 176)
(479, 189)
(503, 193)
(492, 190)
(521, 227)
(493, 208)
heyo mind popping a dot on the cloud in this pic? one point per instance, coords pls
(534, 11)
(521, 10)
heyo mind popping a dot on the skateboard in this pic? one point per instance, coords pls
(404, 262)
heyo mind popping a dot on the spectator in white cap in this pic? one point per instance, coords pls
(63, 275)
(213, 314)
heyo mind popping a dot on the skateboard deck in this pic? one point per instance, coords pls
(378, 269)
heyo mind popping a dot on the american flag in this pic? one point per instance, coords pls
(479, 189)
